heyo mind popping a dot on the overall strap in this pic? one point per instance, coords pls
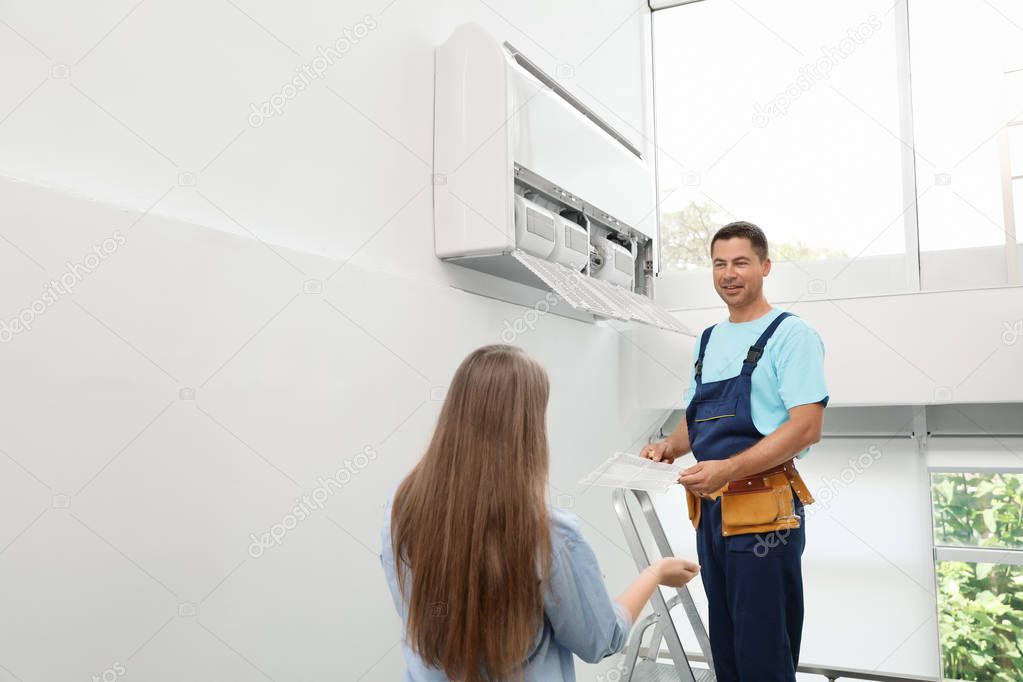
(757, 349)
(703, 348)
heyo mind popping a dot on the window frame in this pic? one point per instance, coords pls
(1012, 556)
(911, 225)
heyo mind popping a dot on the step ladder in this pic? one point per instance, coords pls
(648, 668)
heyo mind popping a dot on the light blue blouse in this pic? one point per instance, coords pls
(579, 616)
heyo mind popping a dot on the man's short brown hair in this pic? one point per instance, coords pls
(741, 228)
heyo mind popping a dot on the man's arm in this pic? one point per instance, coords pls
(672, 447)
(678, 441)
(801, 430)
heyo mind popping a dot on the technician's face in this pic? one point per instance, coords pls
(738, 271)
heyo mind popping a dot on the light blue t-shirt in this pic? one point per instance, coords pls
(790, 372)
(579, 616)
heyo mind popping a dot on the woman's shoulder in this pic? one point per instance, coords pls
(385, 523)
(566, 529)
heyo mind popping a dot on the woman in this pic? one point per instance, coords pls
(495, 584)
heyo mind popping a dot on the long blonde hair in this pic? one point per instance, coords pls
(470, 521)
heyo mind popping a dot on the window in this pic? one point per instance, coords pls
(784, 114)
(967, 65)
(879, 144)
(978, 536)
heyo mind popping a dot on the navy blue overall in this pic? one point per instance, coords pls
(753, 582)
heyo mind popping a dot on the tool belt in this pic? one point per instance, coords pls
(757, 504)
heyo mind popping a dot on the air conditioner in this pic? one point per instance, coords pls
(532, 186)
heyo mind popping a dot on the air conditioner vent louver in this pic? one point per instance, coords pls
(598, 297)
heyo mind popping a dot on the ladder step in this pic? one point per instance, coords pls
(657, 671)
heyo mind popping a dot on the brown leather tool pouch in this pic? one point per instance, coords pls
(694, 507)
(763, 503)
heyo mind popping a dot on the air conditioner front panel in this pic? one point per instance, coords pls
(473, 212)
(557, 142)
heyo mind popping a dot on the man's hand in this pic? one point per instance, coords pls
(705, 477)
(659, 452)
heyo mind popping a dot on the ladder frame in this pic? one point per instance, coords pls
(661, 616)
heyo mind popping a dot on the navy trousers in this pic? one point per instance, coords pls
(754, 587)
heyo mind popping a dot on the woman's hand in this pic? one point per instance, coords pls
(658, 452)
(669, 571)
(673, 572)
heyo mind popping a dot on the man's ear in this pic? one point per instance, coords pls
(767, 267)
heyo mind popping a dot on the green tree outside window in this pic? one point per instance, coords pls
(980, 604)
(686, 235)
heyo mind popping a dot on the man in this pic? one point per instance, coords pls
(755, 401)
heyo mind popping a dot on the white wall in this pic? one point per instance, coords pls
(951, 269)
(900, 349)
(128, 500)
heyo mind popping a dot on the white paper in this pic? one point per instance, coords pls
(624, 470)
